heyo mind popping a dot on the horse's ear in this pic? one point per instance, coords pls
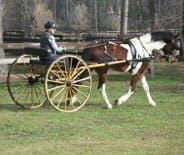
(177, 35)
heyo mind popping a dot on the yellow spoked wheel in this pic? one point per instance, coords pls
(25, 87)
(68, 83)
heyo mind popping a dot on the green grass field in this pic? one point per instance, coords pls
(133, 128)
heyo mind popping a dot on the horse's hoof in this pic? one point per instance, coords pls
(116, 103)
(109, 107)
(153, 104)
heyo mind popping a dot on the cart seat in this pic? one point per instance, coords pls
(38, 62)
(41, 52)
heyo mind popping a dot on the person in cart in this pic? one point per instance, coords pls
(47, 41)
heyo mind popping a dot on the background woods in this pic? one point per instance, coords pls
(26, 18)
(143, 15)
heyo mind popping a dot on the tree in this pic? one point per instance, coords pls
(124, 18)
(80, 19)
(96, 15)
(153, 7)
(41, 15)
(30, 16)
(3, 68)
(182, 36)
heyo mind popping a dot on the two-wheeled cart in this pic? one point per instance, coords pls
(65, 83)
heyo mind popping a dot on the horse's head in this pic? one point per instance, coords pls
(169, 39)
(169, 45)
(172, 50)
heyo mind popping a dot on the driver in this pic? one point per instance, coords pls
(47, 41)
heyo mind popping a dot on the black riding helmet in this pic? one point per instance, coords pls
(50, 24)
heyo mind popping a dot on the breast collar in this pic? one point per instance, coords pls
(132, 48)
(143, 46)
(134, 52)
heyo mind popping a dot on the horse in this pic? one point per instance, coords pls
(137, 52)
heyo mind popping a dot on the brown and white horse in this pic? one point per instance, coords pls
(136, 51)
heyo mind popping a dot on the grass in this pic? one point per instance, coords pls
(132, 128)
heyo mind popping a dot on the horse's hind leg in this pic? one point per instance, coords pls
(125, 97)
(146, 89)
(135, 78)
(101, 87)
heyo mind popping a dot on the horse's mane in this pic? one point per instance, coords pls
(162, 35)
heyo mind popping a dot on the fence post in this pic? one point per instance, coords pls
(3, 68)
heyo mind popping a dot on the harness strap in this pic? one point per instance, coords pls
(133, 52)
(144, 47)
(132, 48)
(107, 53)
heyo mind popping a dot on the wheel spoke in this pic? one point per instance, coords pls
(80, 85)
(53, 72)
(80, 91)
(57, 87)
(70, 70)
(66, 98)
(79, 73)
(20, 76)
(70, 95)
(75, 70)
(60, 100)
(80, 80)
(32, 96)
(64, 61)
(58, 93)
(60, 69)
(36, 93)
(55, 82)
(80, 102)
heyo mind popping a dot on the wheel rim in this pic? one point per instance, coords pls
(68, 83)
(25, 87)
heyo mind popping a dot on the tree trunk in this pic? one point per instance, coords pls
(54, 10)
(3, 68)
(153, 8)
(182, 36)
(96, 15)
(67, 9)
(124, 18)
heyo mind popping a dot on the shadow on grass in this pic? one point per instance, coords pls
(10, 107)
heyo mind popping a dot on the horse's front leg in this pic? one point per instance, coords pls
(101, 86)
(146, 89)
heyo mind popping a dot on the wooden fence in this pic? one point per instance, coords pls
(15, 41)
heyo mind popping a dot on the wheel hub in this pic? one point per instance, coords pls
(32, 80)
(68, 83)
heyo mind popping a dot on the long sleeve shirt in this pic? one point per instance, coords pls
(47, 40)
